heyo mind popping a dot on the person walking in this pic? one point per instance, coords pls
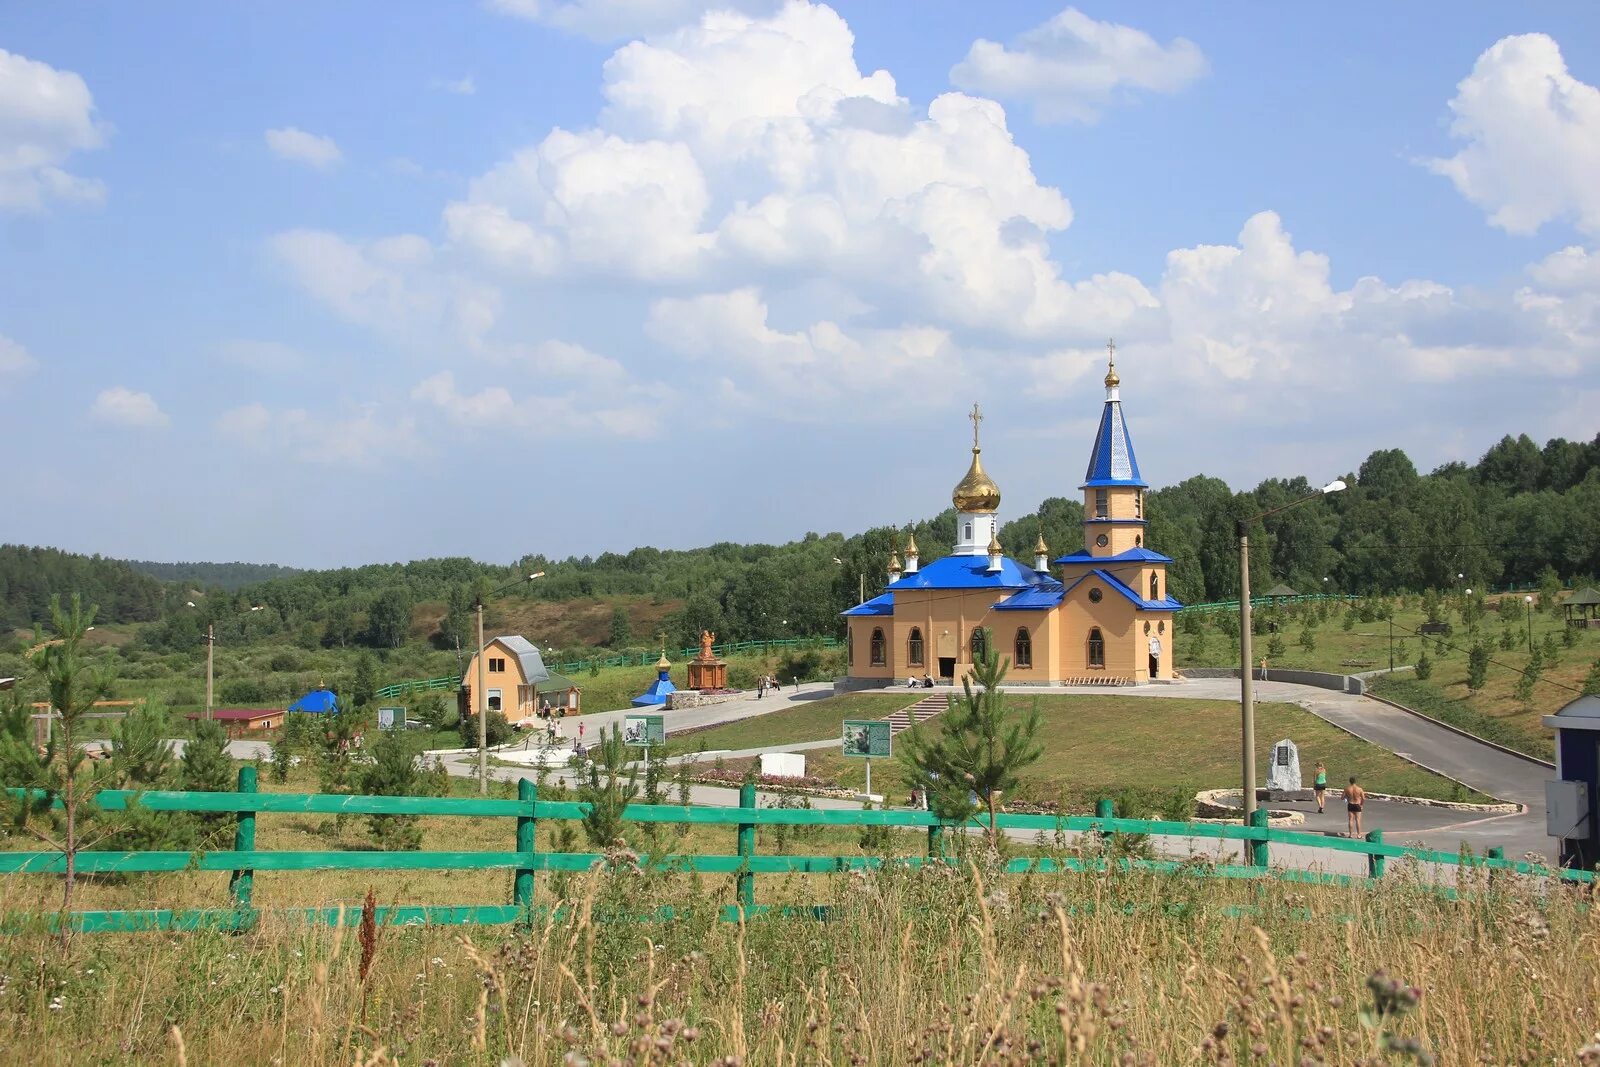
(1355, 798)
(1320, 786)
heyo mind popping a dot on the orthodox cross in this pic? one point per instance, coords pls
(976, 417)
(1111, 351)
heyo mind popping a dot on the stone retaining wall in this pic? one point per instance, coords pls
(1339, 683)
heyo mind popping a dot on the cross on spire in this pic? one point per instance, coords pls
(976, 416)
(1111, 351)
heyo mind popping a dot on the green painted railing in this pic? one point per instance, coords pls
(525, 860)
(630, 659)
(1213, 606)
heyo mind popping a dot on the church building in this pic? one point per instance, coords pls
(1103, 616)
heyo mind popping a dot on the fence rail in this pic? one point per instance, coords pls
(244, 860)
(628, 659)
(1268, 601)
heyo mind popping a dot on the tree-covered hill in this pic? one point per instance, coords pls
(1517, 513)
(228, 576)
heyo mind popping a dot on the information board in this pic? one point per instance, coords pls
(644, 731)
(866, 739)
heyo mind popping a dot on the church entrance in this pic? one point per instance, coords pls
(947, 655)
(1155, 666)
(947, 667)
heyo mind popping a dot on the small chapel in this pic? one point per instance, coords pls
(1100, 615)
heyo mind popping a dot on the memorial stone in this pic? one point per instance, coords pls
(1283, 771)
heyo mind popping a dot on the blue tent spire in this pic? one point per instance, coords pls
(1112, 461)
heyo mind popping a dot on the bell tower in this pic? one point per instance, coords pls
(1113, 491)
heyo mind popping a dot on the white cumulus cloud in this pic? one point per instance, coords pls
(1532, 138)
(14, 359)
(298, 146)
(120, 406)
(359, 437)
(609, 20)
(1071, 67)
(45, 116)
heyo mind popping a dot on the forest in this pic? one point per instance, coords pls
(1516, 515)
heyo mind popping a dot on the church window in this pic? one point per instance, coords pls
(850, 651)
(1155, 588)
(966, 534)
(979, 644)
(1024, 649)
(1097, 648)
(914, 647)
(1102, 540)
(877, 648)
(1102, 506)
(1138, 540)
(1138, 504)
(1095, 595)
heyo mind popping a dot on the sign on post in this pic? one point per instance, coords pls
(644, 731)
(390, 718)
(866, 739)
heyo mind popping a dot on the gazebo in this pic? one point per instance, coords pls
(1278, 592)
(1583, 609)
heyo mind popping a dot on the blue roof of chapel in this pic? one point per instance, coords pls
(1112, 462)
(1041, 597)
(882, 604)
(1132, 555)
(970, 572)
(1117, 585)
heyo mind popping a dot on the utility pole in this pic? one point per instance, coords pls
(211, 646)
(1247, 709)
(480, 698)
(1391, 639)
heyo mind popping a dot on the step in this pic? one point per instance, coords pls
(920, 712)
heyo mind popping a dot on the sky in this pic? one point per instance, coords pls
(329, 284)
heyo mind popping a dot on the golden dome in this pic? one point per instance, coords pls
(662, 663)
(994, 545)
(894, 563)
(977, 491)
(1039, 547)
(911, 545)
(1112, 381)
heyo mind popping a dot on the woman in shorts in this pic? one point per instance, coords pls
(1320, 786)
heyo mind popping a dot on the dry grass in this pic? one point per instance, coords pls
(942, 966)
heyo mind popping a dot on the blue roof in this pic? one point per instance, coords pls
(1133, 555)
(1117, 585)
(657, 693)
(1112, 462)
(1041, 597)
(968, 572)
(883, 604)
(317, 702)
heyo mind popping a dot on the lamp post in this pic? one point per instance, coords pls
(481, 697)
(1527, 606)
(1247, 710)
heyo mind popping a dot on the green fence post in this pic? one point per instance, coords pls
(1103, 809)
(527, 827)
(1497, 853)
(746, 884)
(1375, 862)
(244, 840)
(935, 842)
(1258, 849)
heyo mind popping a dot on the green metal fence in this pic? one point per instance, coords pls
(244, 860)
(630, 659)
(1268, 601)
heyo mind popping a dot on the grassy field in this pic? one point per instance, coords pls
(951, 966)
(1098, 746)
(1366, 647)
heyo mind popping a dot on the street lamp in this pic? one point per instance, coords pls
(482, 695)
(1527, 607)
(1247, 710)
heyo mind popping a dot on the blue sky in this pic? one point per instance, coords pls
(326, 284)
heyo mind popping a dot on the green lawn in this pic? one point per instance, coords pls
(1103, 745)
(805, 722)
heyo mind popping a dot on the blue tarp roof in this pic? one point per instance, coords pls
(1112, 462)
(317, 702)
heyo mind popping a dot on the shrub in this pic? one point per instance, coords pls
(1477, 666)
(393, 773)
(496, 730)
(1424, 669)
(243, 691)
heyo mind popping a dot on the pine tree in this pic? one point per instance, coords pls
(608, 787)
(59, 771)
(364, 687)
(1591, 684)
(621, 634)
(205, 767)
(979, 753)
(393, 773)
(1308, 638)
(1424, 669)
(1477, 667)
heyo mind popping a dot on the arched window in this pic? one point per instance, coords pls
(1138, 503)
(1024, 649)
(966, 532)
(1155, 588)
(914, 648)
(1097, 648)
(1102, 507)
(850, 650)
(877, 648)
(979, 644)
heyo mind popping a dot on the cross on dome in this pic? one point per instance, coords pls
(1112, 381)
(976, 416)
